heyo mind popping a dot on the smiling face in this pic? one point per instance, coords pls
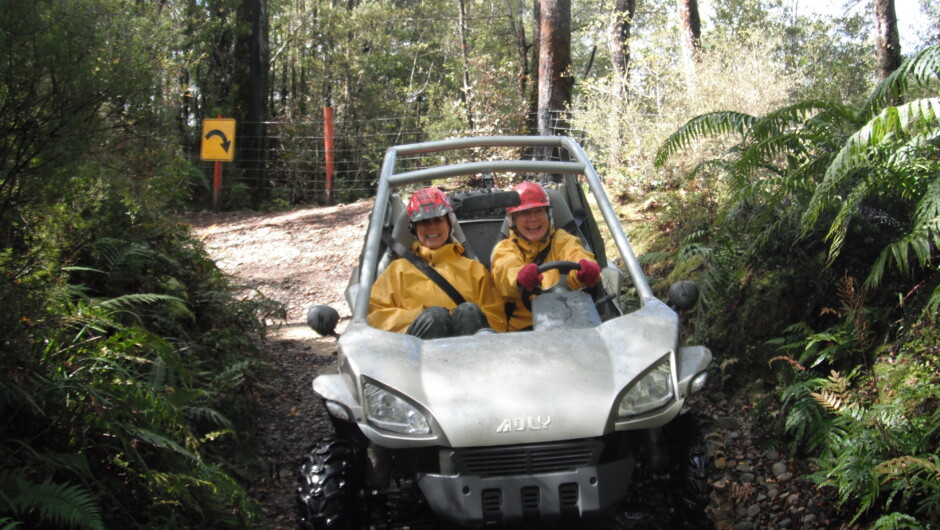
(433, 232)
(532, 224)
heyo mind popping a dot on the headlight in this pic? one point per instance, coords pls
(389, 412)
(649, 393)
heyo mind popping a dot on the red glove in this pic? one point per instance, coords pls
(589, 273)
(529, 276)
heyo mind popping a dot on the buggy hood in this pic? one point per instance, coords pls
(508, 388)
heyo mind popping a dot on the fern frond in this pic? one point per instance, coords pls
(115, 252)
(720, 164)
(129, 302)
(796, 145)
(904, 465)
(896, 521)
(933, 305)
(209, 414)
(921, 69)
(711, 124)
(835, 396)
(921, 239)
(63, 504)
(7, 523)
(840, 225)
(829, 400)
(76, 268)
(794, 116)
(894, 124)
(158, 440)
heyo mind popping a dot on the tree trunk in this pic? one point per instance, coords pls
(532, 125)
(251, 80)
(555, 82)
(691, 29)
(465, 94)
(888, 45)
(522, 47)
(624, 10)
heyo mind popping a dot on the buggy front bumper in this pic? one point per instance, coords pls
(576, 494)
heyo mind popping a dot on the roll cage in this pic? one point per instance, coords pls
(571, 162)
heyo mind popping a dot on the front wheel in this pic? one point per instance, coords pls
(330, 480)
(691, 461)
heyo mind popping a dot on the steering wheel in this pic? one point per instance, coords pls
(563, 267)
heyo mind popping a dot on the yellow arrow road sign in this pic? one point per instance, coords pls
(218, 140)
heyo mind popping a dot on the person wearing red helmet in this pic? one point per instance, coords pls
(405, 300)
(533, 240)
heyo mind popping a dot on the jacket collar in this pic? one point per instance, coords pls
(530, 249)
(446, 252)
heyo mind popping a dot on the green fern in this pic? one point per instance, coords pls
(793, 166)
(923, 237)
(61, 504)
(712, 124)
(7, 523)
(922, 69)
(896, 521)
(894, 125)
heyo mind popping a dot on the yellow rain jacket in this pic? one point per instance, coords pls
(515, 252)
(402, 291)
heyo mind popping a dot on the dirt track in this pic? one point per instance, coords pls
(297, 258)
(305, 256)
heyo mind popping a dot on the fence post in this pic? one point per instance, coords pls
(328, 151)
(217, 183)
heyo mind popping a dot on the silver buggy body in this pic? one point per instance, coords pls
(531, 426)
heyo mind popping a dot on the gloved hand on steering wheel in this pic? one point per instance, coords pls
(589, 274)
(529, 277)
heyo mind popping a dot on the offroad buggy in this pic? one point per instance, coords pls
(530, 427)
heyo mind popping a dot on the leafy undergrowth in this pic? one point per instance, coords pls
(128, 388)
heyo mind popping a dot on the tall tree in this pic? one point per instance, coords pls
(624, 11)
(465, 94)
(691, 29)
(555, 82)
(532, 121)
(887, 41)
(251, 82)
(516, 24)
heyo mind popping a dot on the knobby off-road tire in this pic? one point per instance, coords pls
(691, 461)
(330, 482)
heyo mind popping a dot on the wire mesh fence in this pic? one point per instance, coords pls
(287, 160)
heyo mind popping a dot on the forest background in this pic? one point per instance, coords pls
(788, 163)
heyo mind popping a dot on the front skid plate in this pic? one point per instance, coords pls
(475, 500)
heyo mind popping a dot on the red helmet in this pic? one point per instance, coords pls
(428, 203)
(531, 195)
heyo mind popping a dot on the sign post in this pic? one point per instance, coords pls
(218, 145)
(328, 151)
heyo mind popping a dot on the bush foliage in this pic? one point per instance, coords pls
(127, 371)
(823, 261)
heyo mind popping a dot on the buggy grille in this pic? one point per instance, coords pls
(527, 459)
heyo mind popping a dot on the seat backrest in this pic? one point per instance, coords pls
(482, 235)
